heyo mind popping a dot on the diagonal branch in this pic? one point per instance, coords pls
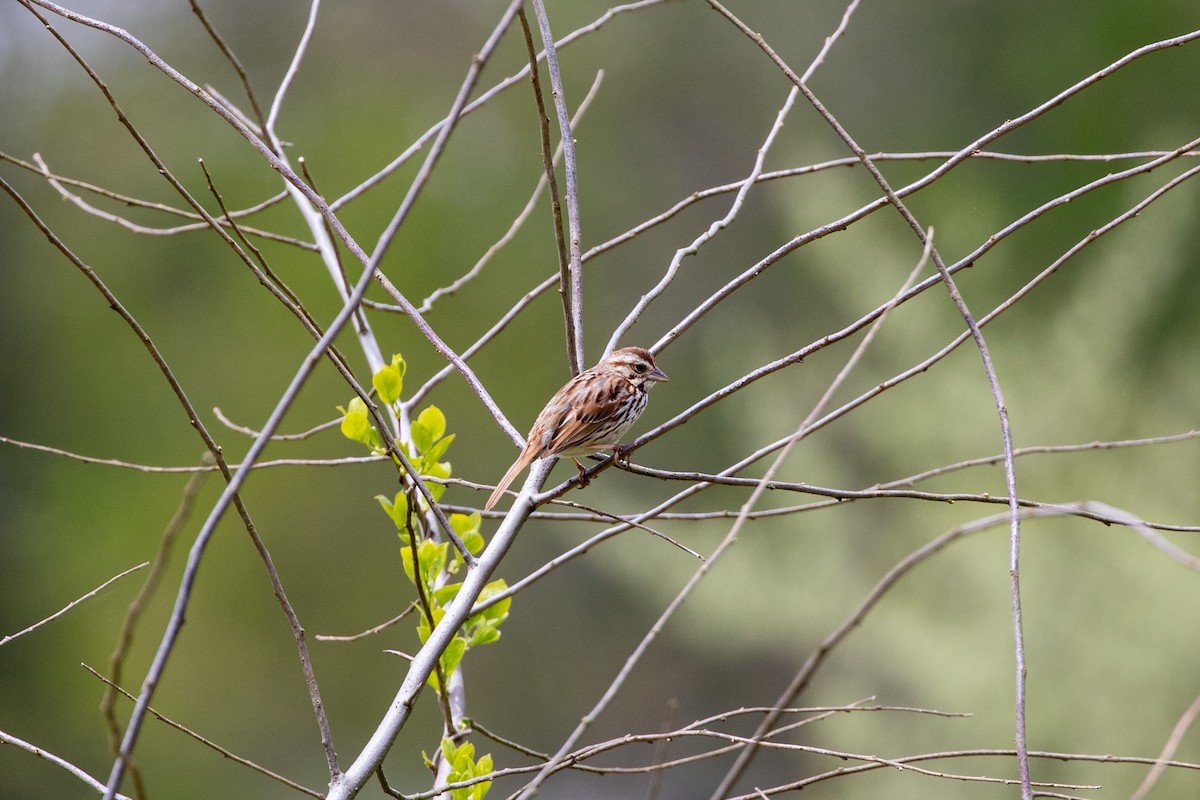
(72, 604)
(33, 749)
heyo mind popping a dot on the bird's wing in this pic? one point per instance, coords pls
(583, 421)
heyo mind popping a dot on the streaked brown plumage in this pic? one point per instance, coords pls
(591, 413)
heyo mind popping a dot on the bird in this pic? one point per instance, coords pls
(590, 413)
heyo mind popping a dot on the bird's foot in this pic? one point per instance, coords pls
(584, 480)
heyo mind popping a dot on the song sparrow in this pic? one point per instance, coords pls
(589, 414)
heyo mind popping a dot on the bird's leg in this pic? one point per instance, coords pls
(584, 480)
(620, 455)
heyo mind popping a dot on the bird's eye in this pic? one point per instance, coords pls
(639, 368)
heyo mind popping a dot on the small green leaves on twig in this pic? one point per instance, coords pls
(464, 767)
(356, 425)
(389, 381)
(428, 561)
(430, 565)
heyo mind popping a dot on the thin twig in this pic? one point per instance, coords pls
(978, 753)
(1041, 450)
(137, 606)
(521, 218)
(193, 417)
(426, 609)
(633, 524)
(324, 637)
(227, 51)
(264, 273)
(566, 295)
(1020, 668)
(1173, 551)
(802, 678)
(768, 722)
(478, 102)
(709, 234)
(115, 688)
(71, 604)
(57, 183)
(490, 334)
(743, 189)
(295, 181)
(233, 480)
(425, 660)
(112, 462)
(46, 755)
(660, 750)
(1172, 744)
(279, 437)
(575, 353)
(923, 366)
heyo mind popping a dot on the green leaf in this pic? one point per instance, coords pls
(483, 634)
(498, 612)
(473, 542)
(449, 662)
(463, 767)
(406, 558)
(356, 425)
(445, 594)
(424, 626)
(397, 510)
(387, 504)
(467, 528)
(438, 449)
(465, 523)
(434, 421)
(441, 469)
(389, 383)
(422, 437)
(464, 759)
(482, 767)
(451, 658)
(432, 556)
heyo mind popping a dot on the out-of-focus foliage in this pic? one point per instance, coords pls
(1103, 351)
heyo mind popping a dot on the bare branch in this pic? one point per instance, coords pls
(575, 353)
(565, 284)
(369, 631)
(138, 605)
(112, 462)
(483, 98)
(71, 604)
(114, 689)
(46, 755)
(1164, 758)
(521, 218)
(279, 437)
(228, 53)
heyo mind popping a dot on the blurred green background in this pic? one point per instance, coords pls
(1105, 350)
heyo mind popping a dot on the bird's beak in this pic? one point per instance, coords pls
(658, 375)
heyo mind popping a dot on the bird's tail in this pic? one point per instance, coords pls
(509, 477)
